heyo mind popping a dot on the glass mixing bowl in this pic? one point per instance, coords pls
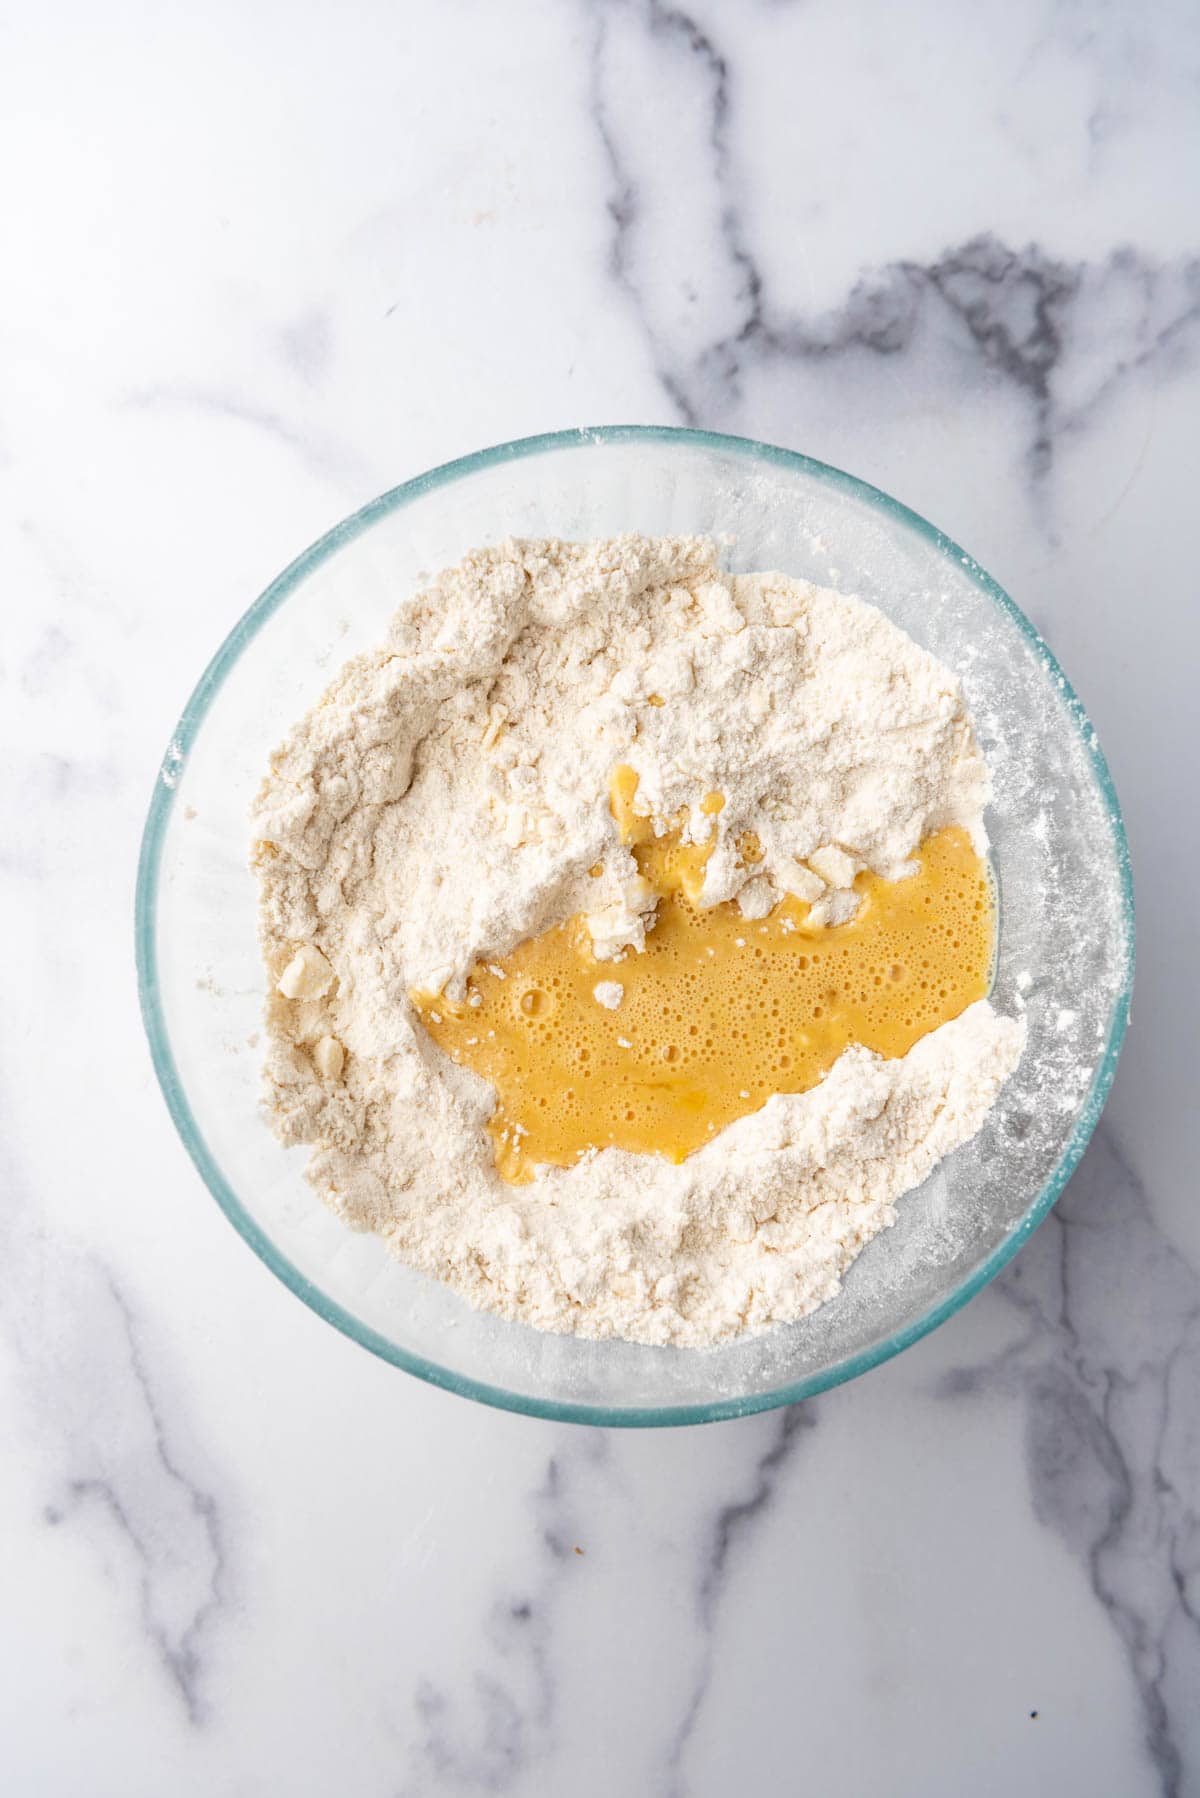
(1065, 955)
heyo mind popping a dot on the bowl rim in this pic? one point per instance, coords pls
(146, 953)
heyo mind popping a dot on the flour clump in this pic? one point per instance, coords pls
(447, 799)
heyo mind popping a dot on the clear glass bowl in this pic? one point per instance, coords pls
(1060, 855)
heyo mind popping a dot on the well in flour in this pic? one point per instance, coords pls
(448, 799)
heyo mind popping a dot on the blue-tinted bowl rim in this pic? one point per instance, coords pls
(145, 909)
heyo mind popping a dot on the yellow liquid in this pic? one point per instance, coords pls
(717, 1013)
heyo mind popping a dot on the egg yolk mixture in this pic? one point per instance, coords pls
(716, 1013)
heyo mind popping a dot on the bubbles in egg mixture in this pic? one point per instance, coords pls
(717, 1013)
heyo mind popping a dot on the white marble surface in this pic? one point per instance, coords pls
(261, 262)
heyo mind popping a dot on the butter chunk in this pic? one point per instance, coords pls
(638, 893)
(834, 866)
(800, 881)
(329, 1058)
(837, 907)
(307, 976)
(757, 898)
(623, 923)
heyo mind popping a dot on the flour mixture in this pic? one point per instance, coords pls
(628, 936)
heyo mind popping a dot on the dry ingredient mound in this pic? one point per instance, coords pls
(448, 797)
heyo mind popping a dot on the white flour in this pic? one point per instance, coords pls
(447, 798)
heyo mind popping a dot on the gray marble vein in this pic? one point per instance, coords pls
(493, 1736)
(308, 344)
(1062, 333)
(505, 1727)
(1108, 1370)
(671, 301)
(171, 1524)
(304, 348)
(733, 1524)
(114, 1468)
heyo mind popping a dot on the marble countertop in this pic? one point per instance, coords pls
(263, 262)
